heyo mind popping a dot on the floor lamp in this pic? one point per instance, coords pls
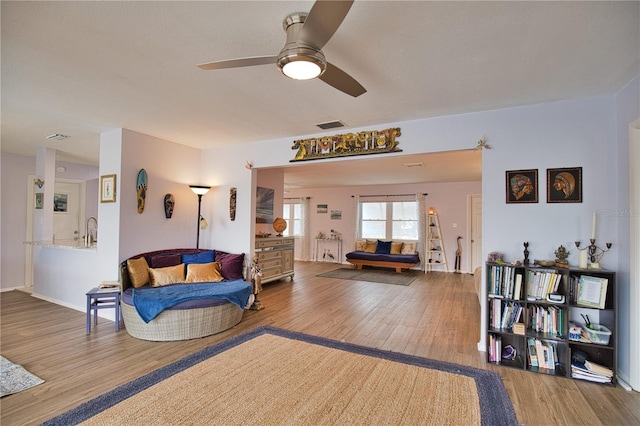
(199, 190)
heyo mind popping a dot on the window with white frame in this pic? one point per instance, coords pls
(391, 218)
(292, 212)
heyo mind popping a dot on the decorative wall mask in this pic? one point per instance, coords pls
(232, 203)
(169, 203)
(141, 189)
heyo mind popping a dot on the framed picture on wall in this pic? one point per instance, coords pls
(39, 198)
(108, 189)
(264, 205)
(564, 185)
(522, 186)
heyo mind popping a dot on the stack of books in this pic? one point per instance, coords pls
(107, 286)
(543, 354)
(592, 372)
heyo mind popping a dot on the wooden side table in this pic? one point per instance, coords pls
(102, 300)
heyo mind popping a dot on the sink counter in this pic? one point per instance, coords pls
(62, 244)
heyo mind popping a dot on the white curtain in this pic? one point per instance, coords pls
(422, 227)
(356, 217)
(304, 241)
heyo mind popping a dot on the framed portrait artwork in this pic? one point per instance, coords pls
(108, 189)
(564, 185)
(522, 186)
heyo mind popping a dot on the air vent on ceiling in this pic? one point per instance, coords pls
(57, 136)
(331, 125)
(413, 165)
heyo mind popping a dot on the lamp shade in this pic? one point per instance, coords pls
(199, 189)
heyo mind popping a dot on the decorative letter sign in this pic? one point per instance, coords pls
(361, 143)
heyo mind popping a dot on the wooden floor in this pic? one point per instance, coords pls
(436, 317)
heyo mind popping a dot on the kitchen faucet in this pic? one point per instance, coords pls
(88, 237)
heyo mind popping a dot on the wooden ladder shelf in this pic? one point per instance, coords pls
(436, 255)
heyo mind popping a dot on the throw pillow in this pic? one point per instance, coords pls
(396, 248)
(383, 247)
(164, 260)
(169, 275)
(408, 248)
(370, 247)
(200, 257)
(360, 245)
(232, 265)
(138, 271)
(204, 273)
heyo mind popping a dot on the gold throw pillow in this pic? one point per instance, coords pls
(204, 272)
(164, 276)
(138, 271)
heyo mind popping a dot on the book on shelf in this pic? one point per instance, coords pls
(533, 354)
(517, 287)
(580, 371)
(597, 368)
(542, 354)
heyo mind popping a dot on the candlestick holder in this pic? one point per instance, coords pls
(594, 252)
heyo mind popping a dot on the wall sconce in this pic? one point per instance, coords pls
(199, 190)
(39, 183)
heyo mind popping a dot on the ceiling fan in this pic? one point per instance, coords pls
(301, 58)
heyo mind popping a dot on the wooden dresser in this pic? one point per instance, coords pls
(274, 257)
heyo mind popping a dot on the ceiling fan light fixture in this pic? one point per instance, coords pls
(301, 70)
(301, 62)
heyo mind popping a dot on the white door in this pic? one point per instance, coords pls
(68, 210)
(476, 232)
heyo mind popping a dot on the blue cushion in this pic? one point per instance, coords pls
(201, 257)
(383, 247)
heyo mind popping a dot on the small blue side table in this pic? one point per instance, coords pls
(102, 300)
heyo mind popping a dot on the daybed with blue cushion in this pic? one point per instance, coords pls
(384, 254)
(182, 294)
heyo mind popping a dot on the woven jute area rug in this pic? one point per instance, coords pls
(275, 377)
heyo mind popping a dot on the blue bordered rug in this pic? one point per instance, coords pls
(494, 405)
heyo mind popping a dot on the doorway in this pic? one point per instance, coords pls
(475, 231)
(68, 209)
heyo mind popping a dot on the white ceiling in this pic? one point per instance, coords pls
(82, 68)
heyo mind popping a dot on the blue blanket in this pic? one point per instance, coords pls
(149, 302)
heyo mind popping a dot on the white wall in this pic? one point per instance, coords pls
(13, 205)
(170, 168)
(628, 111)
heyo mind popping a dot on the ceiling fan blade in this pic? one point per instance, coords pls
(240, 62)
(342, 81)
(323, 20)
